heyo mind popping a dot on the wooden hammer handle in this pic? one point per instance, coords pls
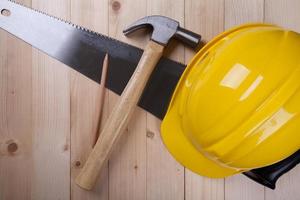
(119, 117)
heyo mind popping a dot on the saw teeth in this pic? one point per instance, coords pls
(70, 23)
(81, 28)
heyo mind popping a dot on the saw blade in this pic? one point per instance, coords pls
(84, 51)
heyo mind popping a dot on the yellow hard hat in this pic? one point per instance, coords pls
(236, 107)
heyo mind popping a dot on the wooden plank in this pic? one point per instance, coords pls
(241, 187)
(283, 13)
(15, 117)
(286, 14)
(199, 18)
(127, 165)
(37, 99)
(207, 18)
(287, 187)
(51, 118)
(238, 12)
(165, 176)
(85, 102)
(243, 11)
(203, 188)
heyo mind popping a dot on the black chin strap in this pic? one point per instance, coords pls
(268, 176)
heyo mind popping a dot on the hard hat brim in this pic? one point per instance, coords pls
(185, 153)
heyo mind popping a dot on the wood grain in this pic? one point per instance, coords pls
(127, 165)
(120, 116)
(44, 112)
(15, 118)
(243, 11)
(165, 177)
(199, 18)
(238, 12)
(51, 118)
(85, 109)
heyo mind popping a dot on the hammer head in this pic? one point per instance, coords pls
(164, 29)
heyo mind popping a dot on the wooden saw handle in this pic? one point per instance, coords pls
(119, 117)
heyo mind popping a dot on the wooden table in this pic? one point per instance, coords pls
(48, 113)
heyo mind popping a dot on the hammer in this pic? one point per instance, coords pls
(163, 30)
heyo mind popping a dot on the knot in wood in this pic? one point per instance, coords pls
(12, 146)
(116, 5)
(150, 134)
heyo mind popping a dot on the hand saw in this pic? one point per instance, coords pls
(84, 50)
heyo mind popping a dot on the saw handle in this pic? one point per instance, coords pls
(119, 117)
